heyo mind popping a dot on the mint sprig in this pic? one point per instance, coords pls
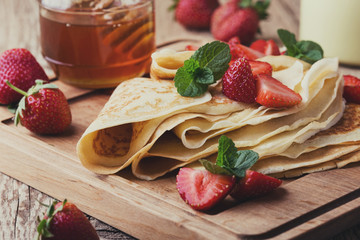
(307, 51)
(205, 67)
(230, 161)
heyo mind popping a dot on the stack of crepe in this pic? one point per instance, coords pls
(148, 126)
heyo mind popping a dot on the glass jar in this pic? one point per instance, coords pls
(97, 43)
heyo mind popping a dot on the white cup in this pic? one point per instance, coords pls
(335, 25)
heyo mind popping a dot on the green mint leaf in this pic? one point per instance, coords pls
(205, 66)
(185, 80)
(307, 51)
(215, 56)
(204, 76)
(234, 161)
(311, 51)
(226, 151)
(213, 168)
(287, 38)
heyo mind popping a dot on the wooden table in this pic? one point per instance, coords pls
(19, 205)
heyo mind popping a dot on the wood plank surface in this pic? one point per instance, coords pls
(20, 206)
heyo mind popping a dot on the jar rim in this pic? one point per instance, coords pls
(87, 11)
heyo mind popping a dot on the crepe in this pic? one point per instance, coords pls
(148, 125)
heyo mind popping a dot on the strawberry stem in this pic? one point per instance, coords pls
(16, 89)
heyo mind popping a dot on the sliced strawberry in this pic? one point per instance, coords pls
(235, 49)
(238, 50)
(259, 67)
(238, 82)
(202, 189)
(351, 89)
(268, 47)
(272, 93)
(254, 184)
(191, 48)
(252, 54)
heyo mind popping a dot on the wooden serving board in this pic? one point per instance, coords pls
(311, 207)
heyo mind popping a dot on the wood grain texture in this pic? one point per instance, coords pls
(19, 205)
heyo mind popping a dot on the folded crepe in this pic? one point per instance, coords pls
(148, 126)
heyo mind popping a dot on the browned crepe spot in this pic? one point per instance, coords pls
(349, 122)
(114, 141)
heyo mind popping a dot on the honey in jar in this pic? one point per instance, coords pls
(97, 44)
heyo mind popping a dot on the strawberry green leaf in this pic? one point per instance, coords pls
(18, 112)
(260, 7)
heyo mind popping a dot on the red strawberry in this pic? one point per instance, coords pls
(238, 82)
(238, 50)
(259, 67)
(64, 220)
(253, 185)
(43, 109)
(202, 189)
(191, 48)
(268, 47)
(20, 68)
(272, 93)
(351, 89)
(238, 18)
(195, 13)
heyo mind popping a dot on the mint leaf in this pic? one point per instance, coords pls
(226, 151)
(204, 76)
(307, 51)
(187, 79)
(213, 168)
(215, 56)
(234, 161)
(205, 66)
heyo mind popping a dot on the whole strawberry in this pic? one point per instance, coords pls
(238, 18)
(238, 82)
(195, 14)
(64, 221)
(43, 109)
(20, 68)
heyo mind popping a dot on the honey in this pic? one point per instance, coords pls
(98, 49)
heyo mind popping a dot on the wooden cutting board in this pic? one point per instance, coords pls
(311, 207)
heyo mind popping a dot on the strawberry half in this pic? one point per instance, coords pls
(259, 67)
(268, 47)
(254, 184)
(351, 89)
(238, 50)
(238, 82)
(202, 189)
(273, 94)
